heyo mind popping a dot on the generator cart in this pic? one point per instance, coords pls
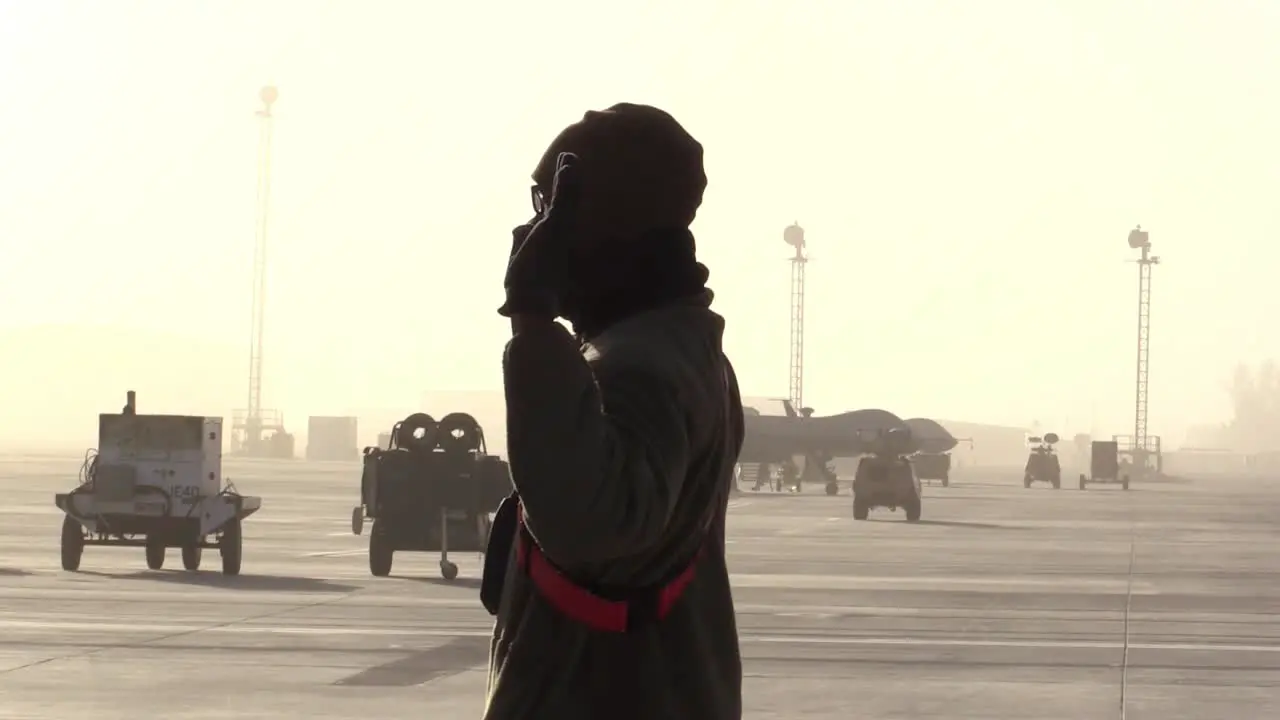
(155, 481)
(932, 467)
(1042, 462)
(1104, 466)
(432, 489)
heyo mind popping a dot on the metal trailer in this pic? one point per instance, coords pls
(932, 467)
(432, 489)
(1104, 466)
(155, 481)
(886, 481)
(1042, 462)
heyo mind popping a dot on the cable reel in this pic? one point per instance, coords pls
(416, 432)
(459, 433)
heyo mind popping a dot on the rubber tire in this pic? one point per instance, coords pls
(357, 519)
(1082, 482)
(946, 482)
(72, 544)
(1057, 484)
(1124, 484)
(191, 557)
(448, 570)
(231, 547)
(912, 509)
(381, 556)
(832, 488)
(1026, 481)
(155, 555)
(860, 510)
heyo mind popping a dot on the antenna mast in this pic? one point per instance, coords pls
(794, 236)
(252, 423)
(1139, 239)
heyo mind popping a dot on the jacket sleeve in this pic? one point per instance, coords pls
(598, 460)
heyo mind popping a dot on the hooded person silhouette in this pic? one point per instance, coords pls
(606, 569)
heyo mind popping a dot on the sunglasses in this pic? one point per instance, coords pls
(539, 200)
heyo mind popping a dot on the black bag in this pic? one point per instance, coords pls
(502, 535)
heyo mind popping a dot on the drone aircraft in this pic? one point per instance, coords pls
(930, 438)
(779, 438)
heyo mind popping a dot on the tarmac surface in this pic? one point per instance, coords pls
(1002, 603)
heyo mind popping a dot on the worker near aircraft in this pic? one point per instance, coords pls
(606, 569)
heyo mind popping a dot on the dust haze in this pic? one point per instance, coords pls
(967, 177)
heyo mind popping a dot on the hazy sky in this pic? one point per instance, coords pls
(967, 173)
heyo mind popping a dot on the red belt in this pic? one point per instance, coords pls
(586, 607)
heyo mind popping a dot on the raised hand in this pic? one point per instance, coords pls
(537, 270)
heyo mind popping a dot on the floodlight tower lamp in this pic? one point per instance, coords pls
(253, 416)
(794, 236)
(1140, 239)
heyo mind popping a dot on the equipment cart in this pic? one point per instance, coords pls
(886, 478)
(1104, 466)
(931, 467)
(1042, 462)
(155, 481)
(432, 489)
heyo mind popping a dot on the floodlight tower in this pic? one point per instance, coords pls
(794, 236)
(1140, 240)
(253, 421)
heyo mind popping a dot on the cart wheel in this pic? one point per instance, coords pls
(155, 554)
(72, 543)
(832, 488)
(1057, 484)
(357, 519)
(860, 510)
(191, 556)
(1124, 484)
(946, 482)
(231, 547)
(448, 570)
(912, 509)
(1082, 482)
(381, 554)
(1026, 481)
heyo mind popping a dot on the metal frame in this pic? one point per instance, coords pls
(1139, 239)
(252, 422)
(794, 236)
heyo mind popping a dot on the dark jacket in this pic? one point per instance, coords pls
(619, 449)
